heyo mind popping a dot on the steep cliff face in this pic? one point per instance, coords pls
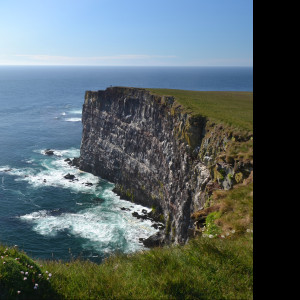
(156, 154)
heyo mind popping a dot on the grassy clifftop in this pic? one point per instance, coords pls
(232, 108)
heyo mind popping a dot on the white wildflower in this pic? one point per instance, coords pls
(223, 236)
(210, 236)
(25, 278)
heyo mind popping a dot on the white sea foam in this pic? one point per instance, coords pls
(75, 112)
(68, 153)
(51, 172)
(73, 119)
(105, 227)
(104, 230)
(5, 168)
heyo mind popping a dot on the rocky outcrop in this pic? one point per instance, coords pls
(155, 153)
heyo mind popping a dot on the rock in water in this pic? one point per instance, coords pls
(69, 176)
(49, 152)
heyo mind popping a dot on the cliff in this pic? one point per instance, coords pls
(160, 155)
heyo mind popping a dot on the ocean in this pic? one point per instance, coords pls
(46, 215)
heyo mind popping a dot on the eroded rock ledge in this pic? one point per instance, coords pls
(156, 154)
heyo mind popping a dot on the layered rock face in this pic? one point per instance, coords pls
(150, 149)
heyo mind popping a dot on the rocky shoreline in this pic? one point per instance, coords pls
(155, 218)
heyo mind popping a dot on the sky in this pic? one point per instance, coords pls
(126, 32)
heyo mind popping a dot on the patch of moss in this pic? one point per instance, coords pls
(217, 175)
(211, 227)
(238, 177)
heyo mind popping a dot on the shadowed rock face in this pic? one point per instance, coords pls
(146, 146)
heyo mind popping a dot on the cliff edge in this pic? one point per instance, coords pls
(160, 155)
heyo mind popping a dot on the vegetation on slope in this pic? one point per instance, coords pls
(232, 108)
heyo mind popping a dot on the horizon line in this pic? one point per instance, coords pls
(155, 66)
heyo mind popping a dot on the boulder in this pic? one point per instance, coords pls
(124, 208)
(154, 240)
(69, 176)
(49, 152)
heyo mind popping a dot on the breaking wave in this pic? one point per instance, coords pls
(102, 225)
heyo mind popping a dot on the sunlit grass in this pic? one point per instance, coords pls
(232, 108)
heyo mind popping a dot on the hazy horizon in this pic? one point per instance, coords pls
(127, 33)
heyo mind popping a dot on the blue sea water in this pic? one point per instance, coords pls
(40, 107)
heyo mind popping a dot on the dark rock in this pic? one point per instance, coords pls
(124, 208)
(75, 162)
(154, 240)
(141, 240)
(49, 152)
(69, 176)
(88, 184)
(144, 211)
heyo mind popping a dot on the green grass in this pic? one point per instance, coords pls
(236, 208)
(232, 108)
(21, 277)
(203, 269)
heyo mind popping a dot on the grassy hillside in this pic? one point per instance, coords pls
(232, 108)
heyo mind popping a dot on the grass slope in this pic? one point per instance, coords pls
(232, 108)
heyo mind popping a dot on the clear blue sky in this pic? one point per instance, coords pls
(126, 32)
